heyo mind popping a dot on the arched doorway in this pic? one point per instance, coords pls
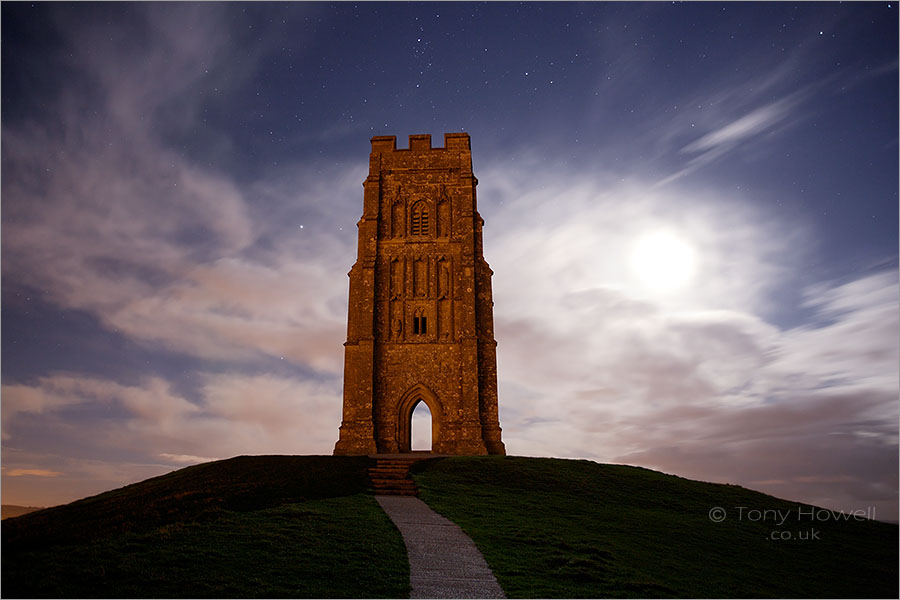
(415, 396)
(420, 428)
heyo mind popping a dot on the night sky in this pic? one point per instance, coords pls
(691, 213)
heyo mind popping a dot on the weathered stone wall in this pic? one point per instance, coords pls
(420, 324)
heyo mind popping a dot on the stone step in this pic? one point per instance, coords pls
(390, 477)
(393, 482)
(397, 493)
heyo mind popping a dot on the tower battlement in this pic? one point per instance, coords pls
(386, 158)
(382, 144)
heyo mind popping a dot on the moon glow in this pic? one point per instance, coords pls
(663, 261)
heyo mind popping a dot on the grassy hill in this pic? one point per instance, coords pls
(307, 526)
(556, 528)
(251, 526)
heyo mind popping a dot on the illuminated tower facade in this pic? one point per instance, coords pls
(420, 323)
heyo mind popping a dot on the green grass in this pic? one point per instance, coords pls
(573, 529)
(194, 493)
(307, 526)
(275, 526)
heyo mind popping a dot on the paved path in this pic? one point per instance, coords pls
(443, 561)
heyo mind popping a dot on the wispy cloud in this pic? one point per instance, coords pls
(752, 124)
(30, 473)
(146, 429)
(154, 401)
(103, 214)
(758, 122)
(185, 458)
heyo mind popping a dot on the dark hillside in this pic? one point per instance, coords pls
(251, 526)
(198, 492)
(556, 528)
(308, 526)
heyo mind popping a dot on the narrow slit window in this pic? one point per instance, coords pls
(420, 323)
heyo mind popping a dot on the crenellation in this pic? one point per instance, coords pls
(384, 143)
(454, 159)
(457, 141)
(420, 142)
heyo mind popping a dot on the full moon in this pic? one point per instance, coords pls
(663, 261)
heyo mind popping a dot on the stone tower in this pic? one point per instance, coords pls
(420, 325)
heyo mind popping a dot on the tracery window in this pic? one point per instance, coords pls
(419, 221)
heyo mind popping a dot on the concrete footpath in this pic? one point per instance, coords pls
(443, 561)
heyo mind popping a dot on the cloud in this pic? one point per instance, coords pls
(760, 121)
(286, 410)
(700, 383)
(31, 472)
(103, 214)
(853, 347)
(270, 413)
(185, 458)
(576, 232)
(80, 476)
(154, 401)
(716, 396)
(234, 308)
(127, 432)
(752, 124)
(108, 210)
(98, 208)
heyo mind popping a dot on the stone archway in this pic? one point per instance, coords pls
(408, 402)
